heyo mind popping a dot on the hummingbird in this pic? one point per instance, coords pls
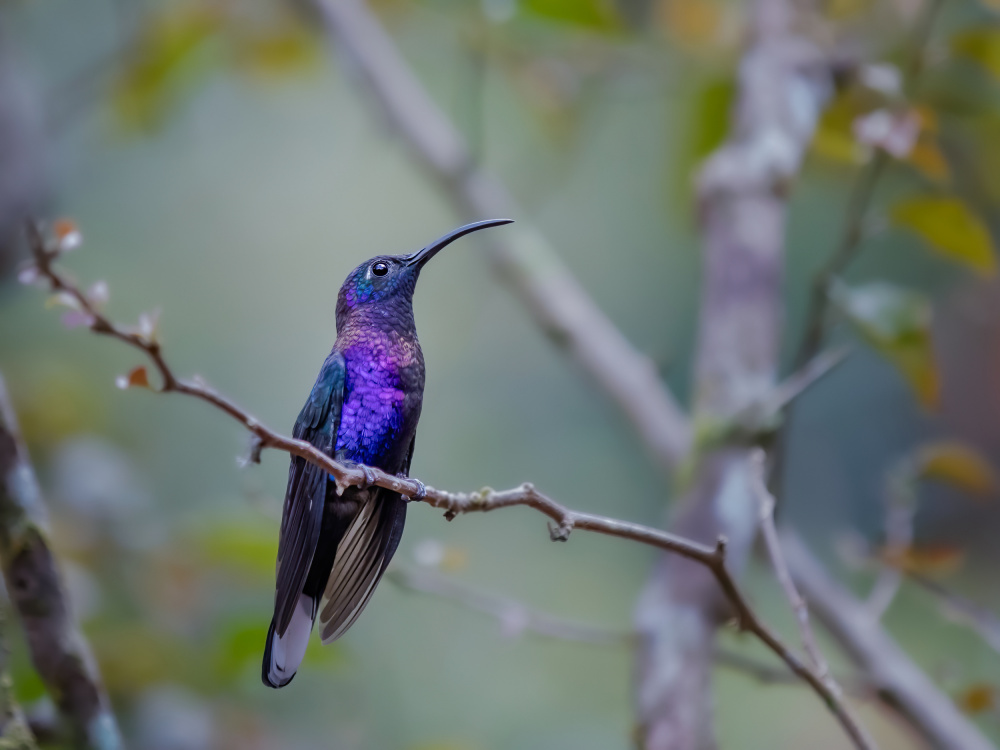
(363, 410)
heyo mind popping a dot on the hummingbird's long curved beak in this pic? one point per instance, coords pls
(422, 256)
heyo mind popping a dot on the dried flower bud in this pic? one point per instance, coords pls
(67, 235)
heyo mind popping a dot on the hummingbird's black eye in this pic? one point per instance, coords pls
(380, 268)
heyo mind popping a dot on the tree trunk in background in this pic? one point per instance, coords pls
(742, 206)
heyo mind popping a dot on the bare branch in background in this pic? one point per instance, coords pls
(961, 610)
(766, 503)
(523, 258)
(712, 558)
(859, 204)
(515, 617)
(15, 733)
(849, 245)
(770, 534)
(900, 502)
(899, 682)
(58, 649)
(783, 83)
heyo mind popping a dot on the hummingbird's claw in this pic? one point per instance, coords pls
(421, 492)
(369, 476)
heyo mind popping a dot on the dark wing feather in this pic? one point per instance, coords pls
(362, 556)
(302, 516)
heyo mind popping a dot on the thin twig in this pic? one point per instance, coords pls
(743, 188)
(962, 610)
(58, 649)
(856, 686)
(898, 681)
(819, 664)
(849, 246)
(764, 416)
(900, 508)
(846, 251)
(770, 533)
(805, 377)
(564, 520)
(860, 202)
(515, 617)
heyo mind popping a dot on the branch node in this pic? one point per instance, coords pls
(559, 532)
(256, 445)
(720, 547)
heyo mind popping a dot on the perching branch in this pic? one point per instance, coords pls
(58, 649)
(563, 520)
(522, 257)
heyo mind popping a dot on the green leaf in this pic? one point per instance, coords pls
(247, 548)
(950, 228)
(980, 45)
(896, 322)
(710, 116)
(598, 15)
(169, 59)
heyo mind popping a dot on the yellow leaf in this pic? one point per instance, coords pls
(915, 360)
(981, 45)
(168, 59)
(938, 560)
(694, 24)
(977, 698)
(926, 156)
(286, 50)
(957, 464)
(950, 228)
(896, 322)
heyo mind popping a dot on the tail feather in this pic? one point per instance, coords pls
(283, 653)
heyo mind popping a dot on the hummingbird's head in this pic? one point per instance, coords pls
(386, 282)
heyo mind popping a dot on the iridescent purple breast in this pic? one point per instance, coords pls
(382, 390)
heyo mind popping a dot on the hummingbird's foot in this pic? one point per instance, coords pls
(421, 492)
(369, 476)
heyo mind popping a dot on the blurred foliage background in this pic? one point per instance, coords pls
(226, 173)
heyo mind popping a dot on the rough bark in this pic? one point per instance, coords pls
(58, 649)
(742, 207)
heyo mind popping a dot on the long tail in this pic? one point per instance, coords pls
(283, 654)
